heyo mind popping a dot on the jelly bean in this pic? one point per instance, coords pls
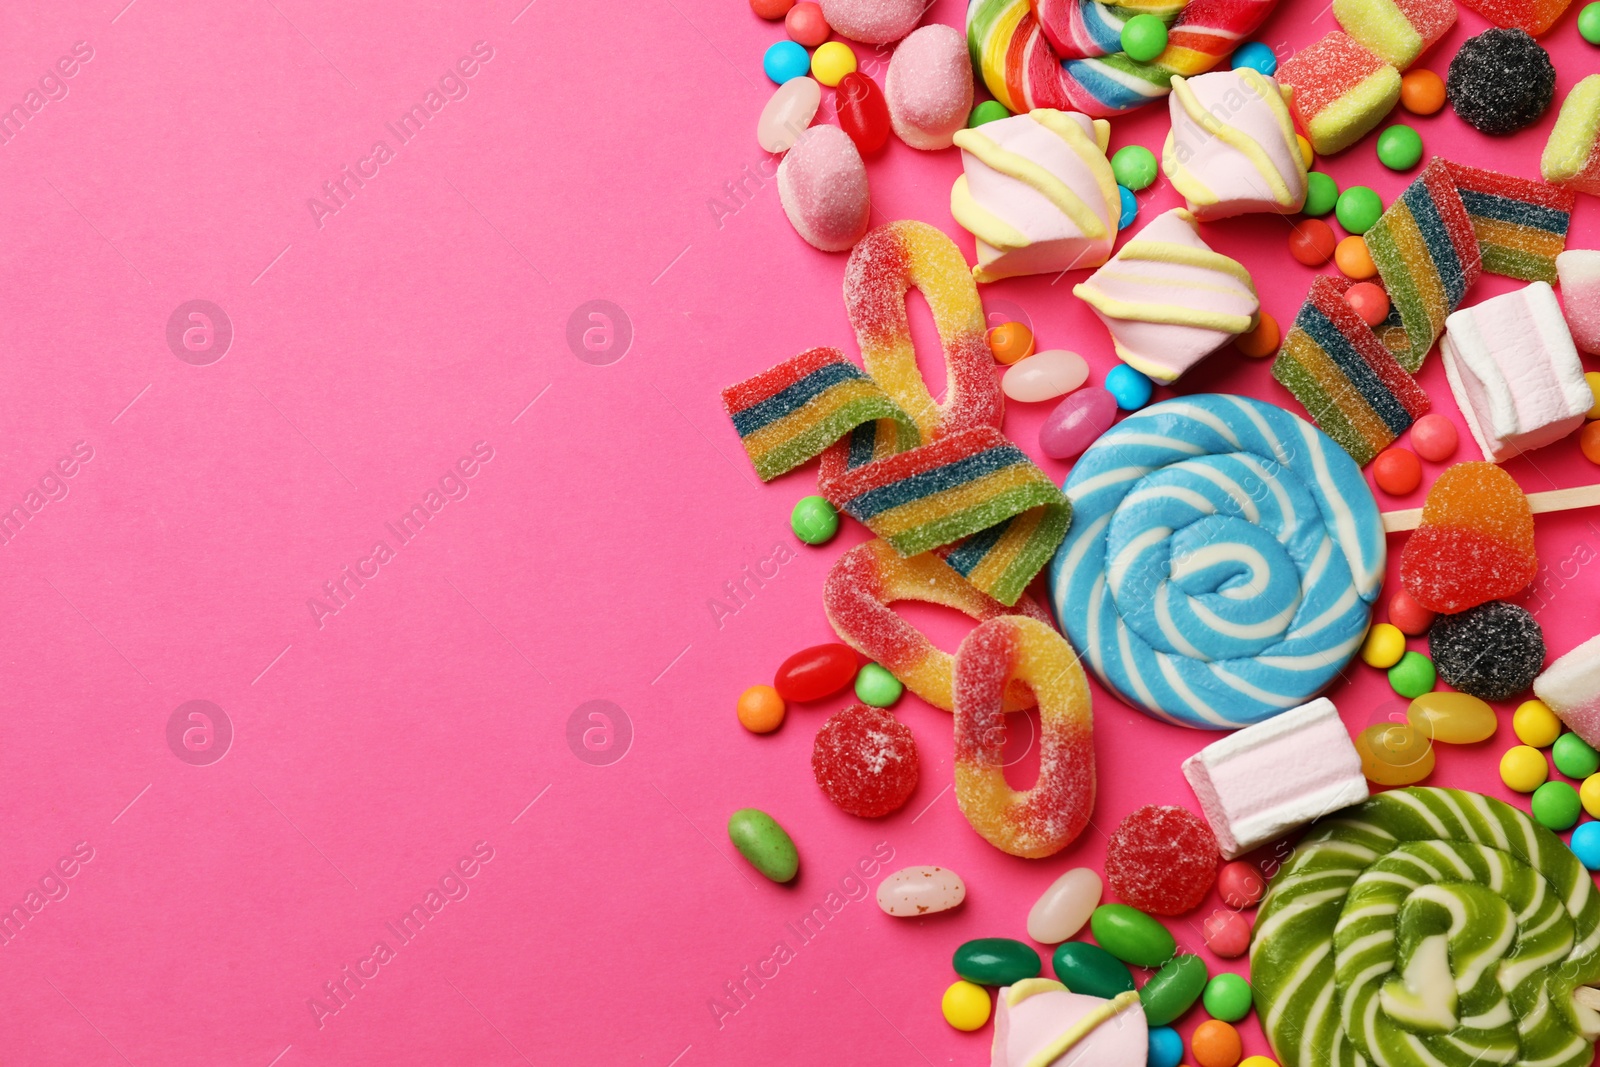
(1227, 933)
(1454, 718)
(1422, 92)
(995, 961)
(1134, 167)
(816, 672)
(1077, 421)
(1132, 936)
(792, 107)
(1173, 989)
(1063, 908)
(1227, 997)
(1411, 617)
(1130, 388)
(1589, 442)
(1166, 1047)
(1256, 56)
(765, 844)
(965, 1005)
(1394, 754)
(1045, 376)
(771, 9)
(1091, 970)
(1353, 259)
(831, 62)
(785, 61)
(1216, 1044)
(814, 520)
(760, 709)
(988, 111)
(1011, 342)
(1322, 195)
(863, 112)
(1358, 208)
(1311, 242)
(1586, 845)
(1384, 646)
(1523, 769)
(1371, 302)
(1262, 341)
(1396, 470)
(876, 687)
(1434, 437)
(1574, 757)
(1535, 724)
(1129, 209)
(1144, 37)
(1589, 793)
(1413, 675)
(1240, 884)
(916, 891)
(1556, 806)
(805, 25)
(1399, 147)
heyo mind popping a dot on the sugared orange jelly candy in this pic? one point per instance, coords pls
(1475, 543)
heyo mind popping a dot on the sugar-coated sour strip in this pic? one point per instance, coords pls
(1045, 819)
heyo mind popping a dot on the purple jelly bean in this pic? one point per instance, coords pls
(1076, 422)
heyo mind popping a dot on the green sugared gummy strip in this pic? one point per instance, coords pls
(1425, 851)
(1517, 263)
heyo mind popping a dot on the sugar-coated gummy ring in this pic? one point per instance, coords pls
(1222, 563)
(1045, 819)
(870, 577)
(1364, 902)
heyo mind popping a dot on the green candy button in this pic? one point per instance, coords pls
(814, 520)
(1322, 193)
(1091, 970)
(876, 687)
(1589, 23)
(1173, 990)
(1227, 997)
(1556, 806)
(1399, 148)
(1359, 208)
(1574, 757)
(988, 111)
(996, 961)
(1144, 37)
(1132, 936)
(1413, 675)
(1134, 167)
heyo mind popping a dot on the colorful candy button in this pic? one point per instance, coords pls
(1166, 1047)
(1227, 997)
(1399, 147)
(1406, 613)
(1523, 769)
(1593, 378)
(1369, 301)
(1413, 675)
(1257, 57)
(1350, 255)
(1130, 388)
(1589, 793)
(1589, 23)
(1322, 194)
(1311, 242)
(1134, 167)
(831, 62)
(988, 111)
(1307, 155)
(1215, 1044)
(760, 709)
(1574, 757)
(1434, 437)
(1359, 208)
(1130, 207)
(1384, 646)
(1144, 37)
(1262, 341)
(805, 24)
(1556, 806)
(965, 1005)
(1227, 933)
(785, 61)
(1586, 845)
(1535, 724)
(1396, 470)
(814, 520)
(1422, 92)
(876, 687)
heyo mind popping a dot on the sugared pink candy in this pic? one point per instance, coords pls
(1044, 376)
(929, 87)
(1228, 933)
(787, 114)
(873, 21)
(1240, 884)
(1434, 437)
(823, 185)
(1580, 296)
(1076, 422)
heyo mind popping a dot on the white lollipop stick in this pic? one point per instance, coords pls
(1582, 496)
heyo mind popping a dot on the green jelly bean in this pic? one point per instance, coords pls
(814, 520)
(1556, 805)
(1413, 675)
(1322, 194)
(1132, 936)
(1091, 970)
(988, 111)
(876, 687)
(1574, 757)
(1228, 998)
(996, 961)
(767, 846)
(1173, 990)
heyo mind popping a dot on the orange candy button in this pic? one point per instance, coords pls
(1011, 342)
(760, 709)
(1421, 92)
(1589, 441)
(1216, 1044)
(1261, 341)
(1351, 257)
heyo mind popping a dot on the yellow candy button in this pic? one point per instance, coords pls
(1385, 645)
(965, 1005)
(1535, 724)
(1310, 157)
(1589, 793)
(831, 62)
(1523, 769)
(1593, 378)
(1259, 1061)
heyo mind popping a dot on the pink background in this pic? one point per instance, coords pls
(430, 713)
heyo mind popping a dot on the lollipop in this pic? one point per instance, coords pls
(1223, 561)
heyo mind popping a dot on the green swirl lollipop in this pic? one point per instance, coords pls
(1429, 928)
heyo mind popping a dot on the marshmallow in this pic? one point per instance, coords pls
(1037, 1022)
(1579, 270)
(929, 87)
(1232, 149)
(1037, 193)
(1258, 784)
(1571, 688)
(1168, 299)
(1514, 372)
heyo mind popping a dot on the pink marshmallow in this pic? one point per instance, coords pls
(929, 87)
(1571, 688)
(1579, 270)
(823, 186)
(872, 21)
(1032, 1014)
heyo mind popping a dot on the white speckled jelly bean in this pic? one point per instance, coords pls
(787, 114)
(1065, 906)
(913, 891)
(1045, 376)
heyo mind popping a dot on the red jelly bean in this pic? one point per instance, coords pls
(863, 112)
(1397, 471)
(815, 673)
(1162, 860)
(865, 760)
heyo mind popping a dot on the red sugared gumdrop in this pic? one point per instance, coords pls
(1241, 884)
(1227, 933)
(1162, 860)
(1475, 543)
(866, 761)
